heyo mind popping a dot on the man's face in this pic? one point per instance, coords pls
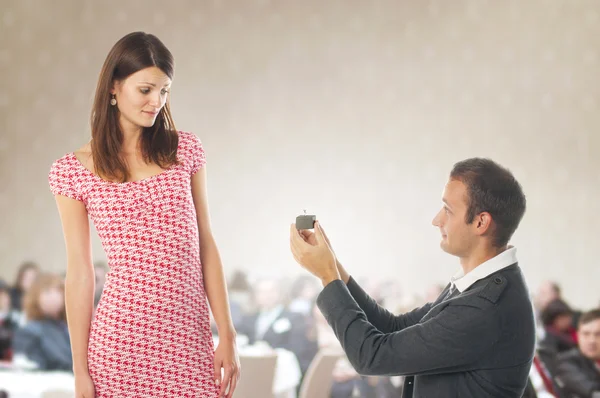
(546, 293)
(457, 235)
(588, 337)
(267, 295)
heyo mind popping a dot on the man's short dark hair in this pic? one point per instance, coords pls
(556, 288)
(588, 317)
(492, 188)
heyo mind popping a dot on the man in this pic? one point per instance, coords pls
(559, 335)
(578, 370)
(477, 339)
(278, 326)
(547, 292)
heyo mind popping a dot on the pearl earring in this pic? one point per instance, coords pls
(113, 100)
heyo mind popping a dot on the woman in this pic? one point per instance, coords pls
(26, 274)
(44, 339)
(143, 184)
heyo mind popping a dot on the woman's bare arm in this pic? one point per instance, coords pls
(80, 280)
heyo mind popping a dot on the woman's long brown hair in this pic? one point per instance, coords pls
(134, 52)
(31, 301)
(24, 267)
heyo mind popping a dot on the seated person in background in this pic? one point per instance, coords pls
(346, 382)
(240, 297)
(45, 338)
(8, 322)
(27, 273)
(547, 292)
(561, 336)
(303, 294)
(277, 326)
(578, 370)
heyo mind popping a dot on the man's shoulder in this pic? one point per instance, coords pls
(494, 288)
(487, 291)
(570, 355)
(505, 283)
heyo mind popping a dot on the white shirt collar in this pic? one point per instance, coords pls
(462, 282)
(265, 320)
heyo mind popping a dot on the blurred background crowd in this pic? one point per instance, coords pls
(282, 314)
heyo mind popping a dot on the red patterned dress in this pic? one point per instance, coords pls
(151, 333)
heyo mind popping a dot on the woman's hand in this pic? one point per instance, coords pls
(84, 386)
(226, 358)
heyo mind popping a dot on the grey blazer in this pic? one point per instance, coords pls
(479, 343)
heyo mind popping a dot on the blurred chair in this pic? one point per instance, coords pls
(257, 375)
(318, 379)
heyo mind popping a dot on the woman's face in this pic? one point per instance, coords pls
(563, 322)
(52, 302)
(28, 277)
(141, 96)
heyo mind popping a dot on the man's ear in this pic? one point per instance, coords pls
(483, 222)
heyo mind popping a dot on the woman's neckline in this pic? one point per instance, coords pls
(97, 177)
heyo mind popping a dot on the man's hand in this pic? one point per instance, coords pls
(310, 237)
(313, 252)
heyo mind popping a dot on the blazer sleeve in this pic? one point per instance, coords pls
(381, 318)
(453, 340)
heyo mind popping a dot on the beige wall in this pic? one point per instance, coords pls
(354, 110)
